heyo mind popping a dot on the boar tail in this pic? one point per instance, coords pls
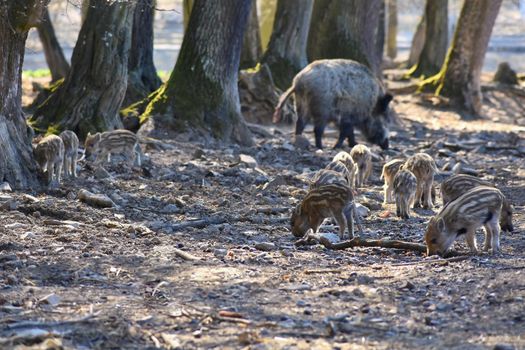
(282, 99)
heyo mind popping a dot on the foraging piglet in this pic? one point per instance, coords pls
(404, 186)
(423, 167)
(345, 92)
(119, 141)
(481, 206)
(340, 168)
(346, 159)
(328, 177)
(70, 140)
(363, 159)
(456, 185)
(390, 170)
(333, 200)
(49, 155)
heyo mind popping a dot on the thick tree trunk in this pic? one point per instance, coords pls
(92, 93)
(186, 11)
(17, 166)
(251, 45)
(55, 59)
(391, 41)
(202, 92)
(381, 33)
(142, 75)
(266, 18)
(459, 78)
(418, 40)
(286, 53)
(345, 29)
(436, 39)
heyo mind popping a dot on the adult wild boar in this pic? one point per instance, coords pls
(343, 91)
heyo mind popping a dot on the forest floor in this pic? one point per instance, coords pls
(87, 278)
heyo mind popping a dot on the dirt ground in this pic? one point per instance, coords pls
(80, 277)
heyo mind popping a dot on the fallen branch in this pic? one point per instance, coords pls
(322, 271)
(33, 324)
(436, 260)
(200, 223)
(185, 255)
(382, 243)
(96, 200)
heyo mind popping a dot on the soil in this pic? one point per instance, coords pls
(197, 251)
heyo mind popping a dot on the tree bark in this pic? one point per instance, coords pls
(286, 53)
(459, 78)
(251, 45)
(57, 63)
(267, 17)
(391, 42)
(17, 165)
(345, 29)
(91, 95)
(186, 11)
(418, 40)
(202, 92)
(436, 39)
(142, 75)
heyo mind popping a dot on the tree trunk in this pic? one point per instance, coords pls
(418, 40)
(286, 53)
(17, 165)
(251, 45)
(391, 42)
(142, 75)
(186, 11)
(459, 78)
(55, 59)
(92, 92)
(381, 33)
(202, 90)
(345, 29)
(436, 39)
(266, 18)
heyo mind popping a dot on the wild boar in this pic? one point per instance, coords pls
(481, 206)
(423, 167)
(120, 141)
(345, 92)
(70, 140)
(363, 160)
(390, 170)
(404, 186)
(456, 185)
(49, 155)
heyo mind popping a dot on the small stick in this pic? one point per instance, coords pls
(32, 324)
(430, 261)
(201, 223)
(95, 200)
(382, 243)
(185, 255)
(311, 272)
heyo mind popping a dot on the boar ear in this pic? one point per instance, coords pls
(441, 225)
(382, 102)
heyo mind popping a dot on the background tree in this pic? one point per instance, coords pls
(391, 41)
(17, 166)
(56, 61)
(436, 39)
(459, 78)
(266, 18)
(186, 11)
(142, 75)
(251, 45)
(92, 93)
(418, 40)
(202, 90)
(286, 52)
(345, 29)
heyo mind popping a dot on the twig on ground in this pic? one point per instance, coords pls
(382, 243)
(311, 272)
(200, 223)
(436, 260)
(185, 255)
(34, 324)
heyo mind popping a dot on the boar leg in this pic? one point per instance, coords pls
(299, 125)
(471, 241)
(318, 131)
(341, 222)
(495, 237)
(488, 237)
(346, 130)
(427, 201)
